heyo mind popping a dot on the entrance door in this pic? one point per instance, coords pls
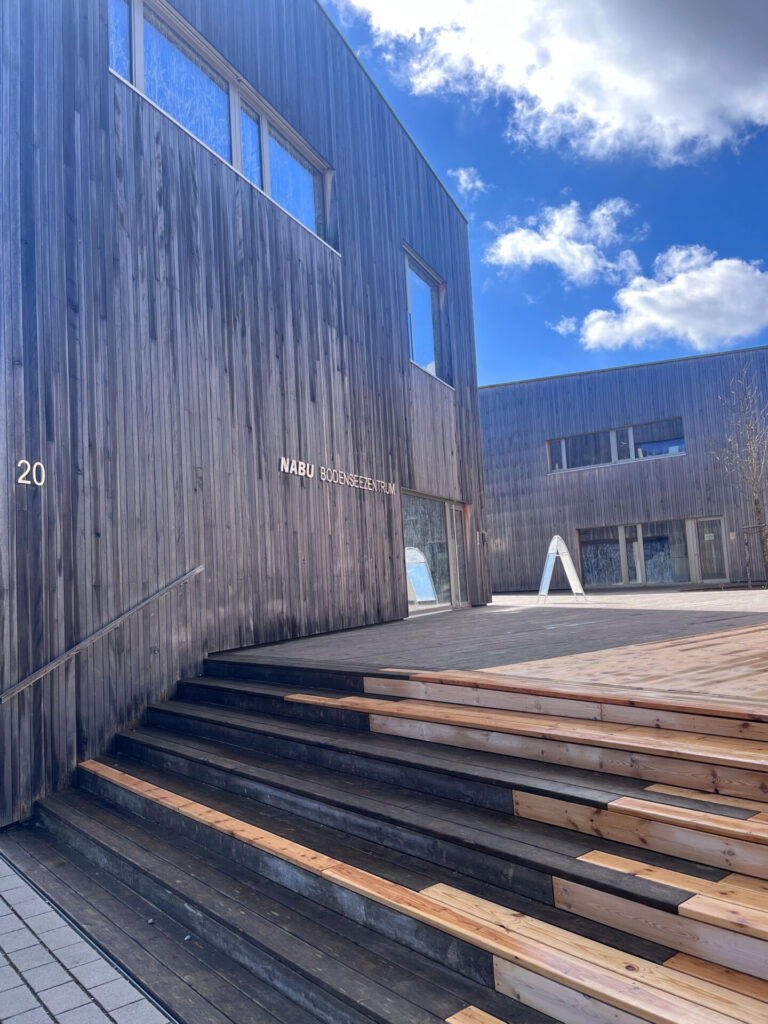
(709, 534)
(435, 562)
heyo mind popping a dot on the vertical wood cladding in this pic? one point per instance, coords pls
(527, 506)
(167, 333)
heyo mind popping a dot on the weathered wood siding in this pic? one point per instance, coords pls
(527, 505)
(167, 334)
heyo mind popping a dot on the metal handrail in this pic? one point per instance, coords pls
(17, 688)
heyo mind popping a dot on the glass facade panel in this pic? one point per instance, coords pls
(662, 438)
(421, 323)
(294, 183)
(665, 551)
(711, 554)
(251, 140)
(120, 37)
(179, 82)
(427, 557)
(601, 556)
(588, 449)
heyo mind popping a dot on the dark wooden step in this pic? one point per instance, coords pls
(280, 935)
(474, 841)
(191, 979)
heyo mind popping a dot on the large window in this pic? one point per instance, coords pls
(435, 562)
(607, 447)
(664, 551)
(151, 46)
(424, 298)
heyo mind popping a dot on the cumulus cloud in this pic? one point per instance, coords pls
(575, 243)
(468, 182)
(672, 79)
(694, 297)
(565, 325)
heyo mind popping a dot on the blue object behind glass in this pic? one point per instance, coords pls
(292, 183)
(120, 38)
(421, 323)
(251, 135)
(176, 82)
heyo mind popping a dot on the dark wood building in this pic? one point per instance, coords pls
(237, 352)
(624, 465)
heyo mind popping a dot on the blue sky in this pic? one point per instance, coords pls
(611, 157)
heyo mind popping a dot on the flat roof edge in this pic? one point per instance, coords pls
(626, 366)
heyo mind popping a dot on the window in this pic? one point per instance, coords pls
(178, 71)
(424, 292)
(120, 37)
(640, 553)
(607, 447)
(296, 184)
(185, 87)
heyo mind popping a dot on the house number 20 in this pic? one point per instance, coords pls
(31, 473)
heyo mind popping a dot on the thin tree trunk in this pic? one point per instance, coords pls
(762, 532)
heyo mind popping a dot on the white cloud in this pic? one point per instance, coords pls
(673, 79)
(693, 297)
(565, 325)
(468, 182)
(574, 243)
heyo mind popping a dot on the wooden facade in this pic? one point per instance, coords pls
(167, 334)
(528, 504)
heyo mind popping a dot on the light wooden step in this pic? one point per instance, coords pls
(524, 966)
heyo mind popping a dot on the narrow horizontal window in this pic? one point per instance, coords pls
(120, 37)
(588, 449)
(664, 437)
(624, 444)
(294, 183)
(179, 82)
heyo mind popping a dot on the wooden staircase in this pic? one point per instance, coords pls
(283, 844)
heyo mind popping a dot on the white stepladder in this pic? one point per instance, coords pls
(558, 549)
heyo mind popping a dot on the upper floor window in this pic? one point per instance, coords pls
(604, 447)
(154, 48)
(424, 295)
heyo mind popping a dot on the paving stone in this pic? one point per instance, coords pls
(18, 939)
(42, 923)
(47, 976)
(79, 952)
(89, 1014)
(31, 907)
(99, 972)
(11, 882)
(31, 956)
(58, 938)
(37, 1016)
(8, 979)
(142, 1012)
(115, 994)
(8, 923)
(17, 1000)
(64, 997)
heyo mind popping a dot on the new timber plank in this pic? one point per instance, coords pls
(648, 1005)
(736, 981)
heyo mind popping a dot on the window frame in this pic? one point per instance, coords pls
(413, 262)
(240, 93)
(615, 460)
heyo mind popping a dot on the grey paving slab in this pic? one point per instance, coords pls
(515, 628)
(49, 974)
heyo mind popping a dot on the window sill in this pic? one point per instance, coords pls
(132, 87)
(431, 376)
(623, 462)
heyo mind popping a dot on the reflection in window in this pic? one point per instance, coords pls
(120, 37)
(251, 137)
(427, 553)
(665, 550)
(179, 82)
(662, 438)
(588, 449)
(421, 320)
(294, 183)
(600, 556)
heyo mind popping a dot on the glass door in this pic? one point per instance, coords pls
(458, 559)
(709, 534)
(435, 556)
